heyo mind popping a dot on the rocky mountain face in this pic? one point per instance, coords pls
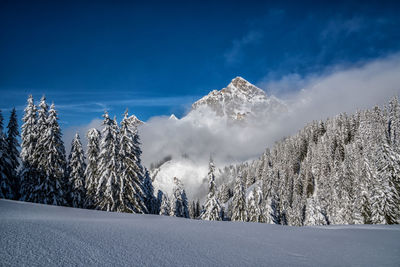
(239, 101)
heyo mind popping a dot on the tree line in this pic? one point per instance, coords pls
(345, 170)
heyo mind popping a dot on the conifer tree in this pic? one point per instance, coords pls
(198, 209)
(223, 195)
(5, 166)
(76, 172)
(192, 210)
(212, 208)
(13, 154)
(50, 159)
(92, 174)
(386, 198)
(239, 212)
(179, 203)
(132, 178)
(165, 208)
(254, 206)
(108, 190)
(29, 136)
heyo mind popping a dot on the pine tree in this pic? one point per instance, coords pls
(135, 185)
(223, 194)
(108, 189)
(212, 208)
(314, 215)
(179, 204)
(150, 200)
(386, 199)
(76, 171)
(13, 154)
(192, 210)
(29, 136)
(254, 206)
(5, 166)
(198, 209)
(50, 159)
(92, 170)
(239, 212)
(165, 208)
(159, 200)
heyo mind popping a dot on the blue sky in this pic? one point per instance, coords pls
(156, 58)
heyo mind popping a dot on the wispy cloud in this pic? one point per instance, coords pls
(235, 53)
(137, 102)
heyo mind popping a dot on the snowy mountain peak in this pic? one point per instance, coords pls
(173, 117)
(244, 86)
(237, 101)
(134, 121)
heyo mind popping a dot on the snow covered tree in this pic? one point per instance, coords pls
(165, 208)
(198, 209)
(92, 174)
(255, 214)
(212, 209)
(150, 200)
(76, 172)
(239, 212)
(29, 136)
(50, 160)
(179, 203)
(133, 191)
(223, 194)
(192, 210)
(314, 215)
(39, 155)
(108, 189)
(13, 154)
(386, 198)
(5, 166)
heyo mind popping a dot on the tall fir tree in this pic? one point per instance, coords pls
(255, 213)
(165, 208)
(212, 209)
(132, 189)
(50, 159)
(76, 174)
(179, 203)
(13, 153)
(29, 136)
(5, 166)
(239, 212)
(92, 173)
(386, 199)
(108, 190)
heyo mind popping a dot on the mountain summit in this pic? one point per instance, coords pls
(239, 100)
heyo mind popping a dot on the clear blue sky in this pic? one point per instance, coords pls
(156, 58)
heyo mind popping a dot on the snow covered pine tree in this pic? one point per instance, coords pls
(76, 173)
(179, 203)
(212, 209)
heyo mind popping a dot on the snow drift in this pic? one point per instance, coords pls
(41, 235)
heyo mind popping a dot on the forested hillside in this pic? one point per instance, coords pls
(345, 170)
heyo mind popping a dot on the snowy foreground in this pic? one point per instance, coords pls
(41, 235)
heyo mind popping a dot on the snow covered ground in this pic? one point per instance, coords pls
(41, 235)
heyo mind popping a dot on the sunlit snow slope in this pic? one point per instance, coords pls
(40, 235)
